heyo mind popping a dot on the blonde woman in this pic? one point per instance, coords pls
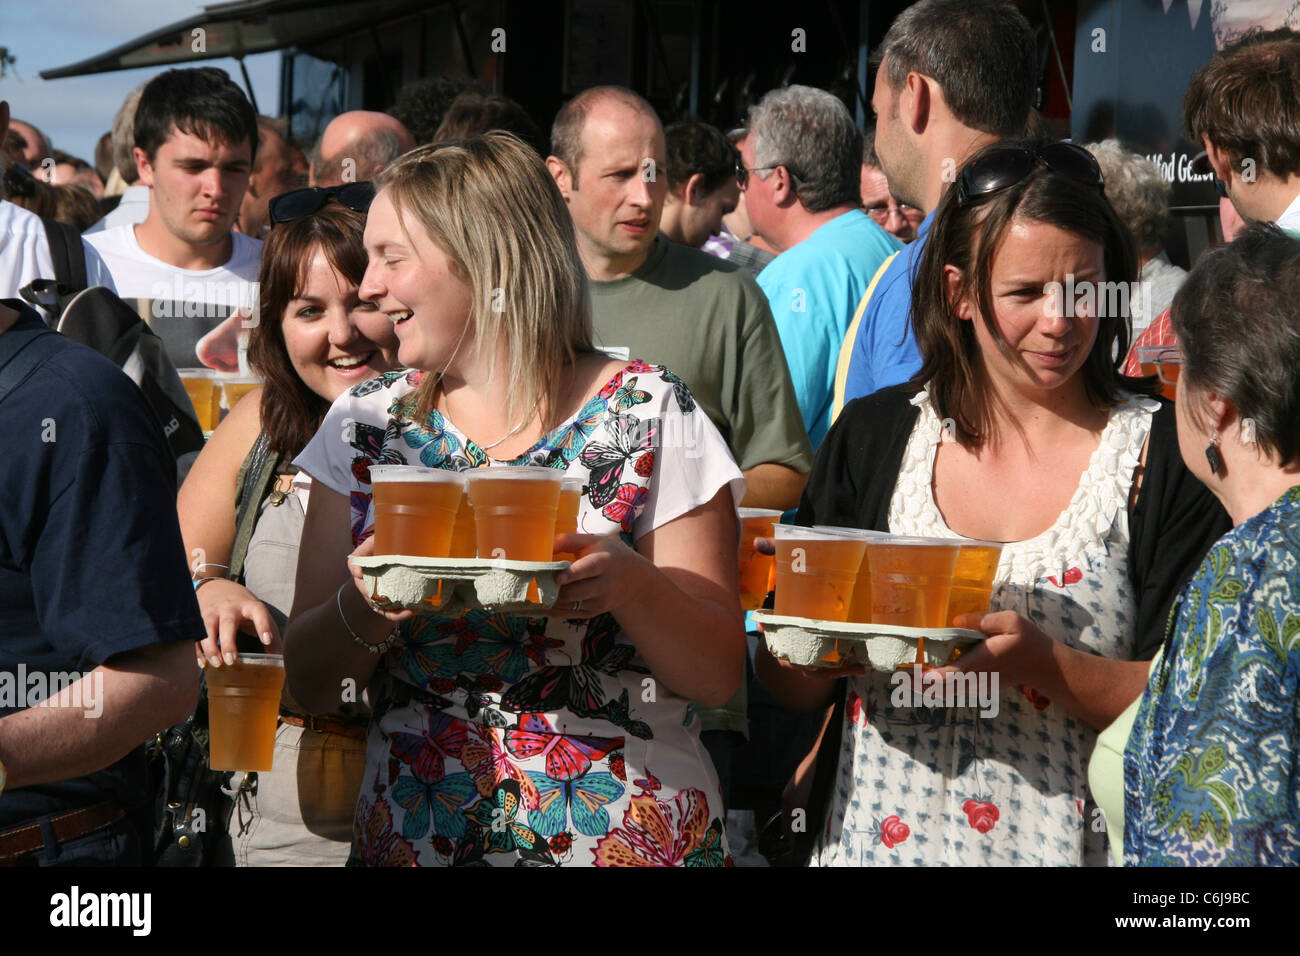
(511, 741)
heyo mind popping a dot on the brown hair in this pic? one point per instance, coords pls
(969, 237)
(491, 206)
(291, 412)
(1246, 100)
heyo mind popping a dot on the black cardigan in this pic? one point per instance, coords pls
(1174, 522)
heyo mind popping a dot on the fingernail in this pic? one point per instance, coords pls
(266, 637)
(230, 658)
(202, 663)
(214, 660)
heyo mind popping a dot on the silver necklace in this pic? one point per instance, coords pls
(514, 431)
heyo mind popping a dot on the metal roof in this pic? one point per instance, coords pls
(243, 28)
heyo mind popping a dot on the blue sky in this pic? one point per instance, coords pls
(75, 112)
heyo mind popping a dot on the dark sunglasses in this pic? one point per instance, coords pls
(19, 182)
(300, 203)
(1008, 165)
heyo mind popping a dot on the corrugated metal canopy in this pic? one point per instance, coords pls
(243, 28)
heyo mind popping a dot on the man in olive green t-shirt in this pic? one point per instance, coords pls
(704, 319)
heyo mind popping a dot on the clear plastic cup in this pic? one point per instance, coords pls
(235, 387)
(757, 570)
(515, 511)
(566, 514)
(816, 571)
(243, 705)
(910, 579)
(972, 577)
(860, 609)
(415, 509)
(201, 386)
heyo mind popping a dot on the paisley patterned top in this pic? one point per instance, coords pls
(1211, 770)
(502, 740)
(999, 779)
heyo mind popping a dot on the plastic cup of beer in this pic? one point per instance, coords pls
(860, 609)
(201, 386)
(566, 514)
(1164, 361)
(757, 571)
(910, 579)
(972, 578)
(415, 509)
(515, 511)
(235, 387)
(816, 572)
(243, 704)
(463, 542)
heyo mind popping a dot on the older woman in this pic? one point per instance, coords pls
(1018, 429)
(1211, 770)
(315, 339)
(571, 731)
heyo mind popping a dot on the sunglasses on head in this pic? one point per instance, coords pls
(1007, 165)
(300, 203)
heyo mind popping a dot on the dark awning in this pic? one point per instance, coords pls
(243, 28)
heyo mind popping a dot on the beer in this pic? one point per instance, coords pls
(972, 578)
(243, 705)
(757, 571)
(415, 509)
(860, 609)
(566, 514)
(463, 543)
(201, 386)
(816, 572)
(515, 511)
(910, 580)
(236, 387)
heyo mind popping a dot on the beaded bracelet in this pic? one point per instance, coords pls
(373, 648)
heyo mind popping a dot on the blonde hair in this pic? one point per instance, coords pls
(490, 204)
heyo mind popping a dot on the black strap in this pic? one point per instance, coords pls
(68, 253)
(23, 351)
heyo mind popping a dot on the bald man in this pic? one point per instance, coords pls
(356, 145)
(278, 168)
(38, 144)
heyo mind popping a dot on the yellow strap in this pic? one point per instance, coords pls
(846, 348)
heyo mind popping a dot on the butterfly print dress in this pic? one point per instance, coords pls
(512, 741)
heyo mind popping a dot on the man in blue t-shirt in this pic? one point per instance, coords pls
(802, 159)
(97, 614)
(954, 76)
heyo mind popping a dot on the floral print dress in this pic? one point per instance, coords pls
(1212, 767)
(501, 740)
(924, 785)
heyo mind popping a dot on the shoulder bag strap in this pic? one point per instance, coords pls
(255, 480)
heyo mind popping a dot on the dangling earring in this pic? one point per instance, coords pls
(1212, 455)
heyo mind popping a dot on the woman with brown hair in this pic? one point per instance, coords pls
(565, 738)
(1017, 429)
(315, 339)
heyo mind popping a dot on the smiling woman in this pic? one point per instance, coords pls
(315, 338)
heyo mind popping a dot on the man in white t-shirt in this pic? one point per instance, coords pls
(24, 247)
(195, 138)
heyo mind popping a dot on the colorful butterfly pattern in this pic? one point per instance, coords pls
(510, 741)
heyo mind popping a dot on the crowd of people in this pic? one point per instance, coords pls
(862, 331)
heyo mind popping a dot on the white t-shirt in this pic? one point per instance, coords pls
(133, 208)
(25, 253)
(187, 303)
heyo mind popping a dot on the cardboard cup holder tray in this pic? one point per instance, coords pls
(833, 644)
(450, 587)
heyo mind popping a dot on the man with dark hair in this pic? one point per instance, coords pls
(356, 145)
(195, 141)
(953, 76)
(1242, 107)
(702, 188)
(422, 104)
(801, 163)
(278, 168)
(474, 113)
